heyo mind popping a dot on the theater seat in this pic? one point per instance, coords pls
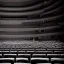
(39, 55)
(58, 63)
(10, 55)
(39, 60)
(21, 52)
(53, 55)
(43, 63)
(44, 52)
(23, 60)
(5, 63)
(62, 55)
(24, 56)
(22, 63)
(0, 55)
(57, 60)
(6, 60)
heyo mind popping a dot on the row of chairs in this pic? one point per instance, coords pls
(28, 45)
(48, 55)
(30, 63)
(31, 55)
(32, 60)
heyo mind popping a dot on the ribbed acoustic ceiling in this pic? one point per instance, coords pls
(19, 2)
(28, 19)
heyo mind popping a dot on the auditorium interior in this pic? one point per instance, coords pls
(31, 32)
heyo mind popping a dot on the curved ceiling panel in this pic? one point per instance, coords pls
(18, 2)
(31, 18)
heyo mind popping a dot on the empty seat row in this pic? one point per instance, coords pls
(27, 63)
(30, 52)
(32, 60)
(30, 63)
(32, 55)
